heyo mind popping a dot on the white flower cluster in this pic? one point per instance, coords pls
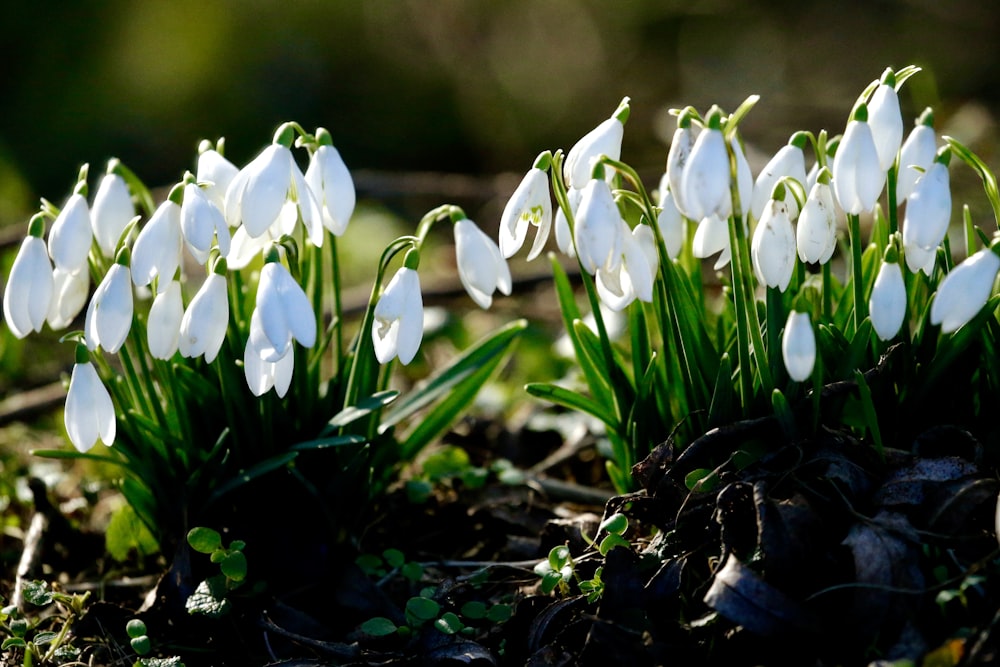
(232, 213)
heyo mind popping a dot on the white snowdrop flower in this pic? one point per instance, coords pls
(262, 375)
(711, 237)
(202, 223)
(798, 346)
(529, 206)
(157, 249)
(677, 159)
(331, 184)
(605, 139)
(69, 296)
(564, 237)
(633, 277)
(886, 120)
(109, 315)
(215, 173)
(965, 290)
(112, 210)
(917, 155)
(71, 235)
(203, 327)
(163, 327)
(30, 285)
(481, 266)
(671, 225)
(887, 304)
(283, 312)
(857, 176)
(597, 235)
(816, 231)
(772, 248)
(919, 259)
(705, 181)
(928, 209)
(788, 162)
(399, 315)
(89, 413)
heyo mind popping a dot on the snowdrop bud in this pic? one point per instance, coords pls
(283, 312)
(529, 205)
(89, 413)
(816, 232)
(331, 184)
(917, 155)
(789, 161)
(887, 305)
(203, 327)
(157, 249)
(928, 209)
(399, 315)
(598, 232)
(109, 315)
(112, 210)
(705, 182)
(71, 235)
(202, 223)
(857, 176)
(773, 246)
(965, 290)
(30, 284)
(886, 120)
(798, 346)
(605, 139)
(69, 296)
(481, 267)
(671, 225)
(164, 324)
(677, 158)
(564, 237)
(215, 173)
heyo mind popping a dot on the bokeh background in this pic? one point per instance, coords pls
(411, 87)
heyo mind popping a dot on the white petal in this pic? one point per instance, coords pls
(71, 235)
(798, 346)
(111, 212)
(887, 304)
(164, 322)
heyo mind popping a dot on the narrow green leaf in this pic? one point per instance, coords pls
(332, 441)
(985, 174)
(573, 400)
(363, 408)
(723, 409)
(252, 473)
(868, 408)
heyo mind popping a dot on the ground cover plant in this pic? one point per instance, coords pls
(801, 458)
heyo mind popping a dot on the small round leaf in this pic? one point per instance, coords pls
(135, 628)
(235, 566)
(141, 645)
(378, 627)
(204, 540)
(449, 623)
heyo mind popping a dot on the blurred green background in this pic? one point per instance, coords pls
(454, 86)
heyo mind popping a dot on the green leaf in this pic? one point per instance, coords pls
(204, 540)
(394, 557)
(326, 443)
(126, 532)
(722, 409)
(617, 524)
(209, 598)
(141, 645)
(868, 409)
(422, 609)
(446, 461)
(701, 480)
(379, 627)
(252, 473)
(13, 642)
(474, 610)
(449, 623)
(43, 638)
(135, 628)
(549, 581)
(985, 174)
(370, 564)
(364, 407)
(38, 593)
(500, 613)
(610, 542)
(412, 571)
(573, 400)
(234, 566)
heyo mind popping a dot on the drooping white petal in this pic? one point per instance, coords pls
(399, 319)
(261, 375)
(788, 161)
(157, 250)
(916, 157)
(216, 172)
(965, 290)
(887, 305)
(111, 212)
(89, 413)
(677, 159)
(773, 246)
(262, 192)
(529, 205)
(605, 139)
(564, 237)
(164, 323)
(332, 185)
(109, 315)
(597, 235)
(798, 346)
(857, 176)
(69, 296)
(919, 259)
(202, 223)
(671, 225)
(29, 288)
(928, 209)
(886, 122)
(706, 177)
(711, 236)
(481, 267)
(203, 327)
(71, 235)
(284, 311)
(816, 232)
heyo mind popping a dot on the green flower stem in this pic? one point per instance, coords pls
(857, 271)
(890, 198)
(775, 321)
(827, 273)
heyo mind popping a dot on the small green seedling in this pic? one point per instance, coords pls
(30, 644)
(556, 570)
(390, 561)
(211, 597)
